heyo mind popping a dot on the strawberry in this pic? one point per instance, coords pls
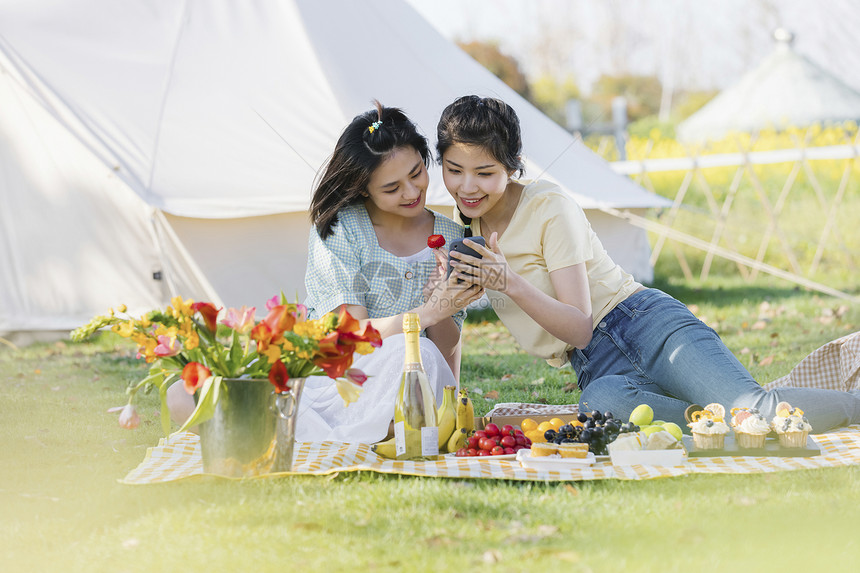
(435, 241)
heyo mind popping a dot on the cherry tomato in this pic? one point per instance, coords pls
(473, 442)
(520, 440)
(497, 451)
(486, 444)
(481, 434)
(484, 452)
(491, 430)
(507, 430)
(472, 452)
(508, 441)
(462, 452)
(510, 451)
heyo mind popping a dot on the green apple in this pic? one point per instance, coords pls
(673, 429)
(658, 422)
(642, 415)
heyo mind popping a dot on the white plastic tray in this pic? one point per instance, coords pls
(648, 457)
(553, 462)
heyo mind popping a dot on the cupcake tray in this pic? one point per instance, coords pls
(771, 449)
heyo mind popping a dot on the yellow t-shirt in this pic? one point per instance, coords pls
(549, 231)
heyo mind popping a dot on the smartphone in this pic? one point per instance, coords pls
(458, 246)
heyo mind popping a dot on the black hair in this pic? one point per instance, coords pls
(363, 145)
(488, 123)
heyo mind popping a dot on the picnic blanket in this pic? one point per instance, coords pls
(835, 365)
(178, 457)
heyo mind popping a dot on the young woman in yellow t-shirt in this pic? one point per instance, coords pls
(554, 287)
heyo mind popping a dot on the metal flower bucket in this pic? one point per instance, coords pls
(252, 430)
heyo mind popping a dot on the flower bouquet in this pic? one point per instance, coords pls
(185, 342)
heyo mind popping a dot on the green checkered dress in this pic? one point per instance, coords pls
(350, 267)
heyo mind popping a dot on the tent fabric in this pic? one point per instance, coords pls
(169, 147)
(786, 89)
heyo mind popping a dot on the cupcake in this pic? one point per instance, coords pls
(709, 430)
(542, 449)
(750, 427)
(573, 450)
(790, 426)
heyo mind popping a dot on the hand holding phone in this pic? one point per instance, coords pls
(458, 246)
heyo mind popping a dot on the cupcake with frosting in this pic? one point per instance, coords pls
(750, 427)
(708, 427)
(791, 426)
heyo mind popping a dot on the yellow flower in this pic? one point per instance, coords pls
(124, 329)
(314, 329)
(272, 353)
(180, 308)
(364, 348)
(192, 341)
(347, 390)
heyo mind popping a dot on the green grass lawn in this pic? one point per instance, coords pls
(63, 510)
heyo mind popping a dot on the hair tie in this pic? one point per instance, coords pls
(374, 126)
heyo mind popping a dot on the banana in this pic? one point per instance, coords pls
(386, 449)
(458, 440)
(446, 417)
(465, 412)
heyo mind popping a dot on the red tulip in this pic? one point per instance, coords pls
(356, 376)
(279, 376)
(209, 313)
(334, 365)
(194, 375)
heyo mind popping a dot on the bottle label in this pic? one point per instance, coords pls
(430, 441)
(399, 439)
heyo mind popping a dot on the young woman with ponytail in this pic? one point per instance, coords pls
(368, 250)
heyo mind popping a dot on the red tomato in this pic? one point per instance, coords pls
(510, 451)
(472, 453)
(481, 434)
(483, 452)
(507, 430)
(473, 441)
(508, 441)
(486, 444)
(462, 452)
(497, 451)
(520, 440)
(491, 430)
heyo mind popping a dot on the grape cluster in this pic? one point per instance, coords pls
(597, 430)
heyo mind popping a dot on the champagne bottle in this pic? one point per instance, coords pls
(416, 433)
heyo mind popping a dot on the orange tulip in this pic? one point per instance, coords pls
(194, 375)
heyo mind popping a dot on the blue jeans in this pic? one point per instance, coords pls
(650, 349)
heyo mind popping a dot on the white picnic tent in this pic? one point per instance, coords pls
(786, 89)
(165, 147)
